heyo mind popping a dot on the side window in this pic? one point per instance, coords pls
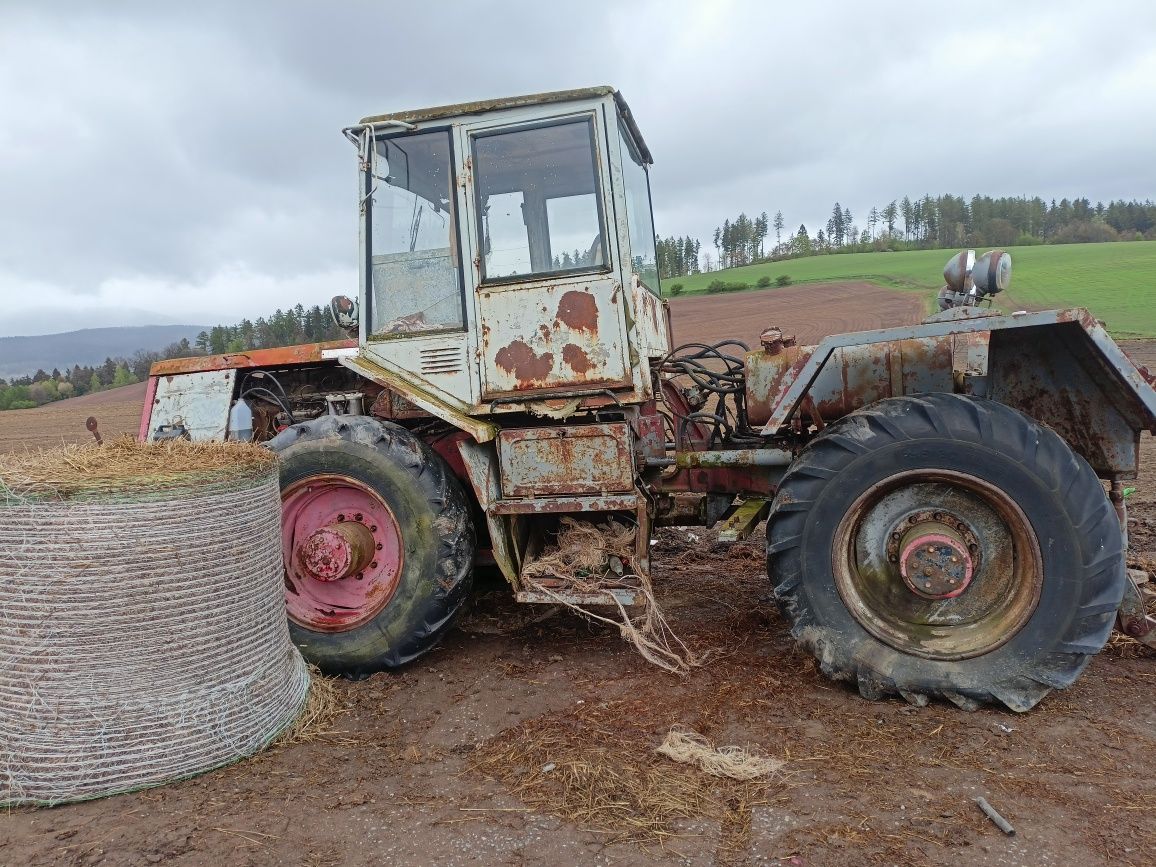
(538, 200)
(415, 284)
(636, 183)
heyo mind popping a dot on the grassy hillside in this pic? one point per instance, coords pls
(1116, 281)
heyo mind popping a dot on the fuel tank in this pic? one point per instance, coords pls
(853, 377)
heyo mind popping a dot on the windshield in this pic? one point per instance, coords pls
(539, 201)
(415, 284)
(636, 184)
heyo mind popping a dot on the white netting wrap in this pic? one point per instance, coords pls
(142, 634)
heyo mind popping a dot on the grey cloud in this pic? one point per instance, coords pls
(171, 144)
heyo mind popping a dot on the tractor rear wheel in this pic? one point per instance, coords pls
(377, 541)
(942, 545)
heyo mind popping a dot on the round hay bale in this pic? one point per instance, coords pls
(143, 636)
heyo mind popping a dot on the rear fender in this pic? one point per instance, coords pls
(1059, 367)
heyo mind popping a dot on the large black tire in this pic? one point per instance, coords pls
(1077, 535)
(436, 531)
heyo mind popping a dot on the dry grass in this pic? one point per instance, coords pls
(318, 714)
(123, 465)
(600, 781)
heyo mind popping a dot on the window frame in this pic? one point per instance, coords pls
(634, 155)
(369, 308)
(589, 118)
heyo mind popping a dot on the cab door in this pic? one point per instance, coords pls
(548, 300)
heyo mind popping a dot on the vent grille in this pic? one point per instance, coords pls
(447, 359)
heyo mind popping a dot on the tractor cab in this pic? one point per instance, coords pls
(507, 254)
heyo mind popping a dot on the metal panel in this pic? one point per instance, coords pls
(545, 336)
(584, 459)
(199, 401)
(303, 353)
(1052, 375)
(1115, 365)
(482, 468)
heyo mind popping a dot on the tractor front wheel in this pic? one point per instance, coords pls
(942, 545)
(377, 542)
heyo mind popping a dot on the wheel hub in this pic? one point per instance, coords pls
(934, 562)
(343, 552)
(337, 551)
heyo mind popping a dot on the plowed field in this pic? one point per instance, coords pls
(528, 737)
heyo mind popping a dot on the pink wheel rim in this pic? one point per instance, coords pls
(342, 550)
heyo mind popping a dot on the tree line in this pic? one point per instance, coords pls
(929, 222)
(283, 328)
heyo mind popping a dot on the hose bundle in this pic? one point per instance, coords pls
(142, 623)
(718, 377)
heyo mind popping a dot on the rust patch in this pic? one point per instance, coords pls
(579, 311)
(527, 366)
(576, 357)
(545, 331)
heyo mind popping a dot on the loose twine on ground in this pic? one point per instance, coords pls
(142, 627)
(738, 763)
(579, 559)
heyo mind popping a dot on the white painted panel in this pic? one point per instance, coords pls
(199, 401)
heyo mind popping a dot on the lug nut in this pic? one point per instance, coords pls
(357, 517)
(340, 517)
(373, 528)
(373, 565)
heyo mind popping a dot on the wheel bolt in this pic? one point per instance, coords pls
(378, 546)
(373, 528)
(340, 517)
(373, 565)
(357, 517)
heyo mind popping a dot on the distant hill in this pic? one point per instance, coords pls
(21, 356)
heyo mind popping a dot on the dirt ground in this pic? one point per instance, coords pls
(117, 411)
(809, 312)
(528, 737)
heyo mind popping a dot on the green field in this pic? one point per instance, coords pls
(1116, 281)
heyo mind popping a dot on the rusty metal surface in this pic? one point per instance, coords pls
(925, 614)
(481, 465)
(545, 338)
(852, 378)
(146, 412)
(747, 480)
(763, 457)
(563, 505)
(569, 460)
(94, 429)
(304, 353)
(1056, 375)
(796, 383)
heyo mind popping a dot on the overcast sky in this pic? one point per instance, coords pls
(166, 162)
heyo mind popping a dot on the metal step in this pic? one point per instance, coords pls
(556, 505)
(562, 596)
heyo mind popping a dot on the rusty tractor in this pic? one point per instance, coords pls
(944, 502)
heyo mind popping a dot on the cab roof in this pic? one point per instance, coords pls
(487, 105)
